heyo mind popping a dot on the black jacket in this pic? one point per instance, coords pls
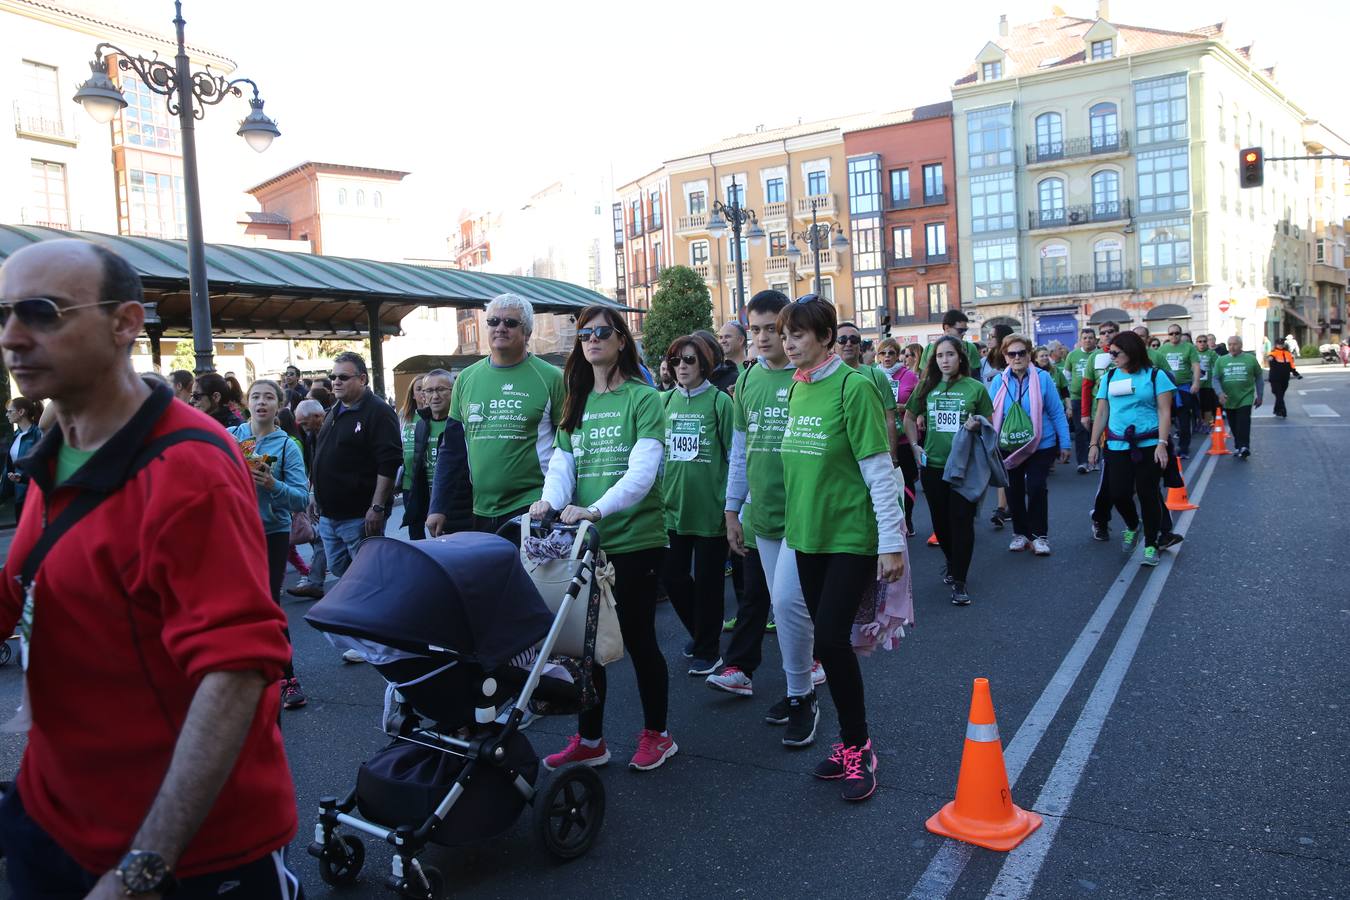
(451, 489)
(354, 448)
(724, 376)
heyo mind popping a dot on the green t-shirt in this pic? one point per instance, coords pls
(1076, 364)
(1179, 359)
(946, 409)
(408, 435)
(1095, 370)
(510, 415)
(1237, 378)
(433, 447)
(883, 385)
(698, 442)
(833, 423)
(1058, 377)
(972, 356)
(761, 411)
(612, 423)
(1207, 358)
(69, 460)
(1157, 360)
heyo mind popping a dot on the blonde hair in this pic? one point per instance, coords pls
(889, 344)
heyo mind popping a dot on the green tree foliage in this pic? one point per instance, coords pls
(681, 305)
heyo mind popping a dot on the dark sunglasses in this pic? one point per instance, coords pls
(599, 332)
(196, 395)
(42, 313)
(1174, 334)
(850, 339)
(1015, 354)
(1113, 352)
(962, 328)
(494, 321)
(336, 377)
(688, 359)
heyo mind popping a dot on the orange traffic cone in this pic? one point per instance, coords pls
(983, 813)
(932, 540)
(1218, 443)
(1177, 498)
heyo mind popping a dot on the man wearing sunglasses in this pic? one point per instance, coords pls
(1183, 364)
(849, 345)
(955, 324)
(153, 755)
(510, 405)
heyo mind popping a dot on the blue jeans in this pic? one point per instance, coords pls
(341, 539)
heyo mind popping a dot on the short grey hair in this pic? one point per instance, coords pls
(308, 408)
(1053, 346)
(503, 302)
(440, 373)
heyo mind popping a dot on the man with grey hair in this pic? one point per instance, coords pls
(309, 415)
(434, 431)
(510, 405)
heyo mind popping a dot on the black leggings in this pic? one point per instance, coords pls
(1240, 424)
(909, 467)
(635, 599)
(278, 548)
(833, 585)
(953, 521)
(698, 600)
(1128, 478)
(745, 649)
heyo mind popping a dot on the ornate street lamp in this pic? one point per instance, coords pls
(736, 216)
(188, 93)
(817, 238)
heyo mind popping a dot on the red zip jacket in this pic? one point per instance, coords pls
(163, 582)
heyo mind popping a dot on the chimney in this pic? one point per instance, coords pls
(1104, 9)
(1002, 26)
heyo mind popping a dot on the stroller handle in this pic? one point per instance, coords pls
(510, 529)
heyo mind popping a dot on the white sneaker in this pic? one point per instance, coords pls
(352, 656)
(1018, 544)
(733, 681)
(817, 673)
(1040, 546)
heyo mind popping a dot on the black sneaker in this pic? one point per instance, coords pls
(1101, 531)
(803, 714)
(832, 766)
(704, 666)
(999, 517)
(291, 695)
(1082, 469)
(778, 713)
(947, 578)
(688, 650)
(1169, 539)
(860, 772)
(959, 595)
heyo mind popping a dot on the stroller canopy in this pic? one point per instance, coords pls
(467, 593)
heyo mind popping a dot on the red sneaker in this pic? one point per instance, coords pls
(653, 749)
(577, 752)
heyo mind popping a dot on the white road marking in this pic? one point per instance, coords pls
(1315, 391)
(1320, 411)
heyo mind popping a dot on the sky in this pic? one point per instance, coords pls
(486, 103)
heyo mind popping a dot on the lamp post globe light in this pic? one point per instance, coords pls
(187, 95)
(735, 216)
(817, 238)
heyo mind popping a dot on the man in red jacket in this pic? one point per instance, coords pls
(137, 576)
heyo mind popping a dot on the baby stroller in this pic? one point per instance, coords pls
(460, 632)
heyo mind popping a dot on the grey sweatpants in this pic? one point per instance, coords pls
(796, 632)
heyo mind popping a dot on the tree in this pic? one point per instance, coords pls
(184, 357)
(680, 306)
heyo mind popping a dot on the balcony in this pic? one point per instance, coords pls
(776, 265)
(822, 204)
(912, 202)
(1086, 214)
(692, 224)
(1078, 148)
(654, 274)
(704, 271)
(635, 229)
(937, 259)
(654, 224)
(44, 217)
(730, 270)
(774, 212)
(28, 124)
(1070, 285)
(903, 262)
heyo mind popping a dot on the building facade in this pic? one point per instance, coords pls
(1323, 317)
(643, 240)
(339, 209)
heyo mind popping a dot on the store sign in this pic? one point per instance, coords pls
(1056, 327)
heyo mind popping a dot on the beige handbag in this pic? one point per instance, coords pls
(553, 576)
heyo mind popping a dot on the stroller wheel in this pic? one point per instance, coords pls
(568, 813)
(342, 860)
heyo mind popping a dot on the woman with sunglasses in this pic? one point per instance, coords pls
(947, 398)
(1029, 417)
(843, 518)
(897, 365)
(277, 464)
(211, 394)
(604, 470)
(698, 421)
(24, 415)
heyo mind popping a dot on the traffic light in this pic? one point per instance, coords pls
(1251, 167)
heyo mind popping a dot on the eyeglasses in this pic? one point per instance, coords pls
(1015, 354)
(850, 339)
(42, 313)
(436, 390)
(1174, 334)
(688, 359)
(196, 395)
(961, 328)
(494, 321)
(599, 332)
(336, 377)
(1113, 352)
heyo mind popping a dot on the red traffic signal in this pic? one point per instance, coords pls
(1251, 167)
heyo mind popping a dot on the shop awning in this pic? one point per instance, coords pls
(1110, 314)
(1167, 311)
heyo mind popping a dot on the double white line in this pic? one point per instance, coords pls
(1018, 875)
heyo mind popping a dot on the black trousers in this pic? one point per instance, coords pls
(953, 521)
(1028, 496)
(278, 549)
(1278, 387)
(833, 585)
(699, 600)
(1101, 506)
(1129, 479)
(1184, 417)
(492, 524)
(1081, 435)
(745, 649)
(635, 602)
(1240, 423)
(909, 467)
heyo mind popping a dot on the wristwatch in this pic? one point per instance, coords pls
(145, 872)
(378, 508)
(595, 511)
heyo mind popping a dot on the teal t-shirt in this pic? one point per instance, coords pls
(1237, 377)
(1179, 359)
(612, 423)
(946, 408)
(698, 443)
(1135, 405)
(761, 411)
(832, 424)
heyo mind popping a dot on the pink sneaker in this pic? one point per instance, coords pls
(817, 673)
(653, 749)
(577, 752)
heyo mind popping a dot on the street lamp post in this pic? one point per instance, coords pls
(188, 93)
(817, 238)
(736, 216)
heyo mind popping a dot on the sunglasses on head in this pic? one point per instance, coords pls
(494, 321)
(688, 359)
(850, 339)
(807, 298)
(599, 332)
(42, 313)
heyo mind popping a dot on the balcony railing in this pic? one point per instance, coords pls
(1077, 148)
(704, 271)
(776, 265)
(775, 212)
(654, 223)
(691, 224)
(635, 229)
(823, 204)
(937, 259)
(1083, 284)
(654, 274)
(1068, 216)
(730, 269)
(902, 262)
(28, 124)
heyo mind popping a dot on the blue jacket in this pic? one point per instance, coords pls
(1054, 424)
(291, 491)
(19, 489)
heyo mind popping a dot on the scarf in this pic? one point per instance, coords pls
(1015, 458)
(806, 376)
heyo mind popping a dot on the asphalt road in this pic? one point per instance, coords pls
(1182, 729)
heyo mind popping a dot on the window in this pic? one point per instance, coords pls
(635, 212)
(935, 239)
(698, 253)
(655, 199)
(731, 248)
(48, 198)
(1160, 109)
(40, 100)
(992, 71)
(902, 246)
(1165, 252)
(866, 245)
(1104, 49)
(155, 202)
(899, 187)
(342, 196)
(992, 202)
(1104, 127)
(658, 258)
(1164, 182)
(904, 302)
(360, 197)
(937, 299)
(1321, 247)
(1105, 194)
(698, 203)
(1049, 136)
(868, 294)
(933, 187)
(1050, 195)
(817, 183)
(778, 243)
(773, 191)
(1054, 269)
(864, 189)
(826, 288)
(377, 200)
(995, 268)
(146, 121)
(736, 194)
(989, 138)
